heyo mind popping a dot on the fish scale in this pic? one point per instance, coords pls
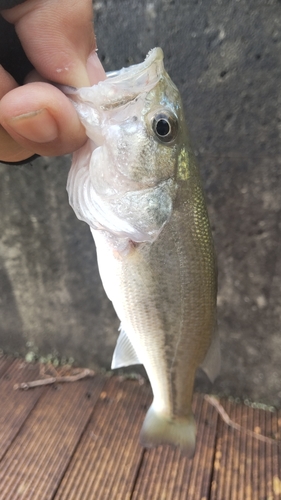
(137, 185)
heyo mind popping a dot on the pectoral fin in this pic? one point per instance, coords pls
(124, 353)
(212, 362)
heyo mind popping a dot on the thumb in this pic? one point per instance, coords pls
(57, 37)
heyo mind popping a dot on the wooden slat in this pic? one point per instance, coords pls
(16, 406)
(273, 471)
(166, 474)
(202, 464)
(36, 461)
(5, 362)
(107, 459)
(251, 473)
(266, 430)
(257, 475)
(276, 454)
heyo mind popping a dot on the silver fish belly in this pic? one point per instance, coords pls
(137, 185)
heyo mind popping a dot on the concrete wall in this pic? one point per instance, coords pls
(225, 57)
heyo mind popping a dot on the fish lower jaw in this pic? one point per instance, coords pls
(159, 429)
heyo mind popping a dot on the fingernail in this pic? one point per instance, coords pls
(37, 126)
(95, 69)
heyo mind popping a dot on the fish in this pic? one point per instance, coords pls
(137, 184)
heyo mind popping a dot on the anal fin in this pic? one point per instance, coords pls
(212, 362)
(124, 353)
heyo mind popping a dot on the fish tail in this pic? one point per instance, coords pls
(158, 429)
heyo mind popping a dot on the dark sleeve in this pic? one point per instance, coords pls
(8, 4)
(12, 56)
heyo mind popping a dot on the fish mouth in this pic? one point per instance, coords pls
(127, 84)
(150, 69)
(123, 86)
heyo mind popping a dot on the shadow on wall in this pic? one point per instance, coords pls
(11, 324)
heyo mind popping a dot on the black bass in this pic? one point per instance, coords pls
(137, 185)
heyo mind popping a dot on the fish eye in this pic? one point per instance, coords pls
(165, 126)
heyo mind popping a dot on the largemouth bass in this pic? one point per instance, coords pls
(137, 185)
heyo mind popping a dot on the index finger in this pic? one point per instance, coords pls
(57, 37)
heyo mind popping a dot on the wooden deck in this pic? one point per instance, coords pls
(79, 441)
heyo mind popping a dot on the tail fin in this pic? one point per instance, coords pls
(157, 429)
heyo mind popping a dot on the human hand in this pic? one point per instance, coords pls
(58, 39)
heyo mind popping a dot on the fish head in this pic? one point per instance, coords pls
(134, 117)
(135, 125)
(141, 134)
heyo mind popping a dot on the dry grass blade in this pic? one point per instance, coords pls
(213, 401)
(57, 378)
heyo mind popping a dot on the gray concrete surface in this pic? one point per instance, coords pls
(225, 57)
